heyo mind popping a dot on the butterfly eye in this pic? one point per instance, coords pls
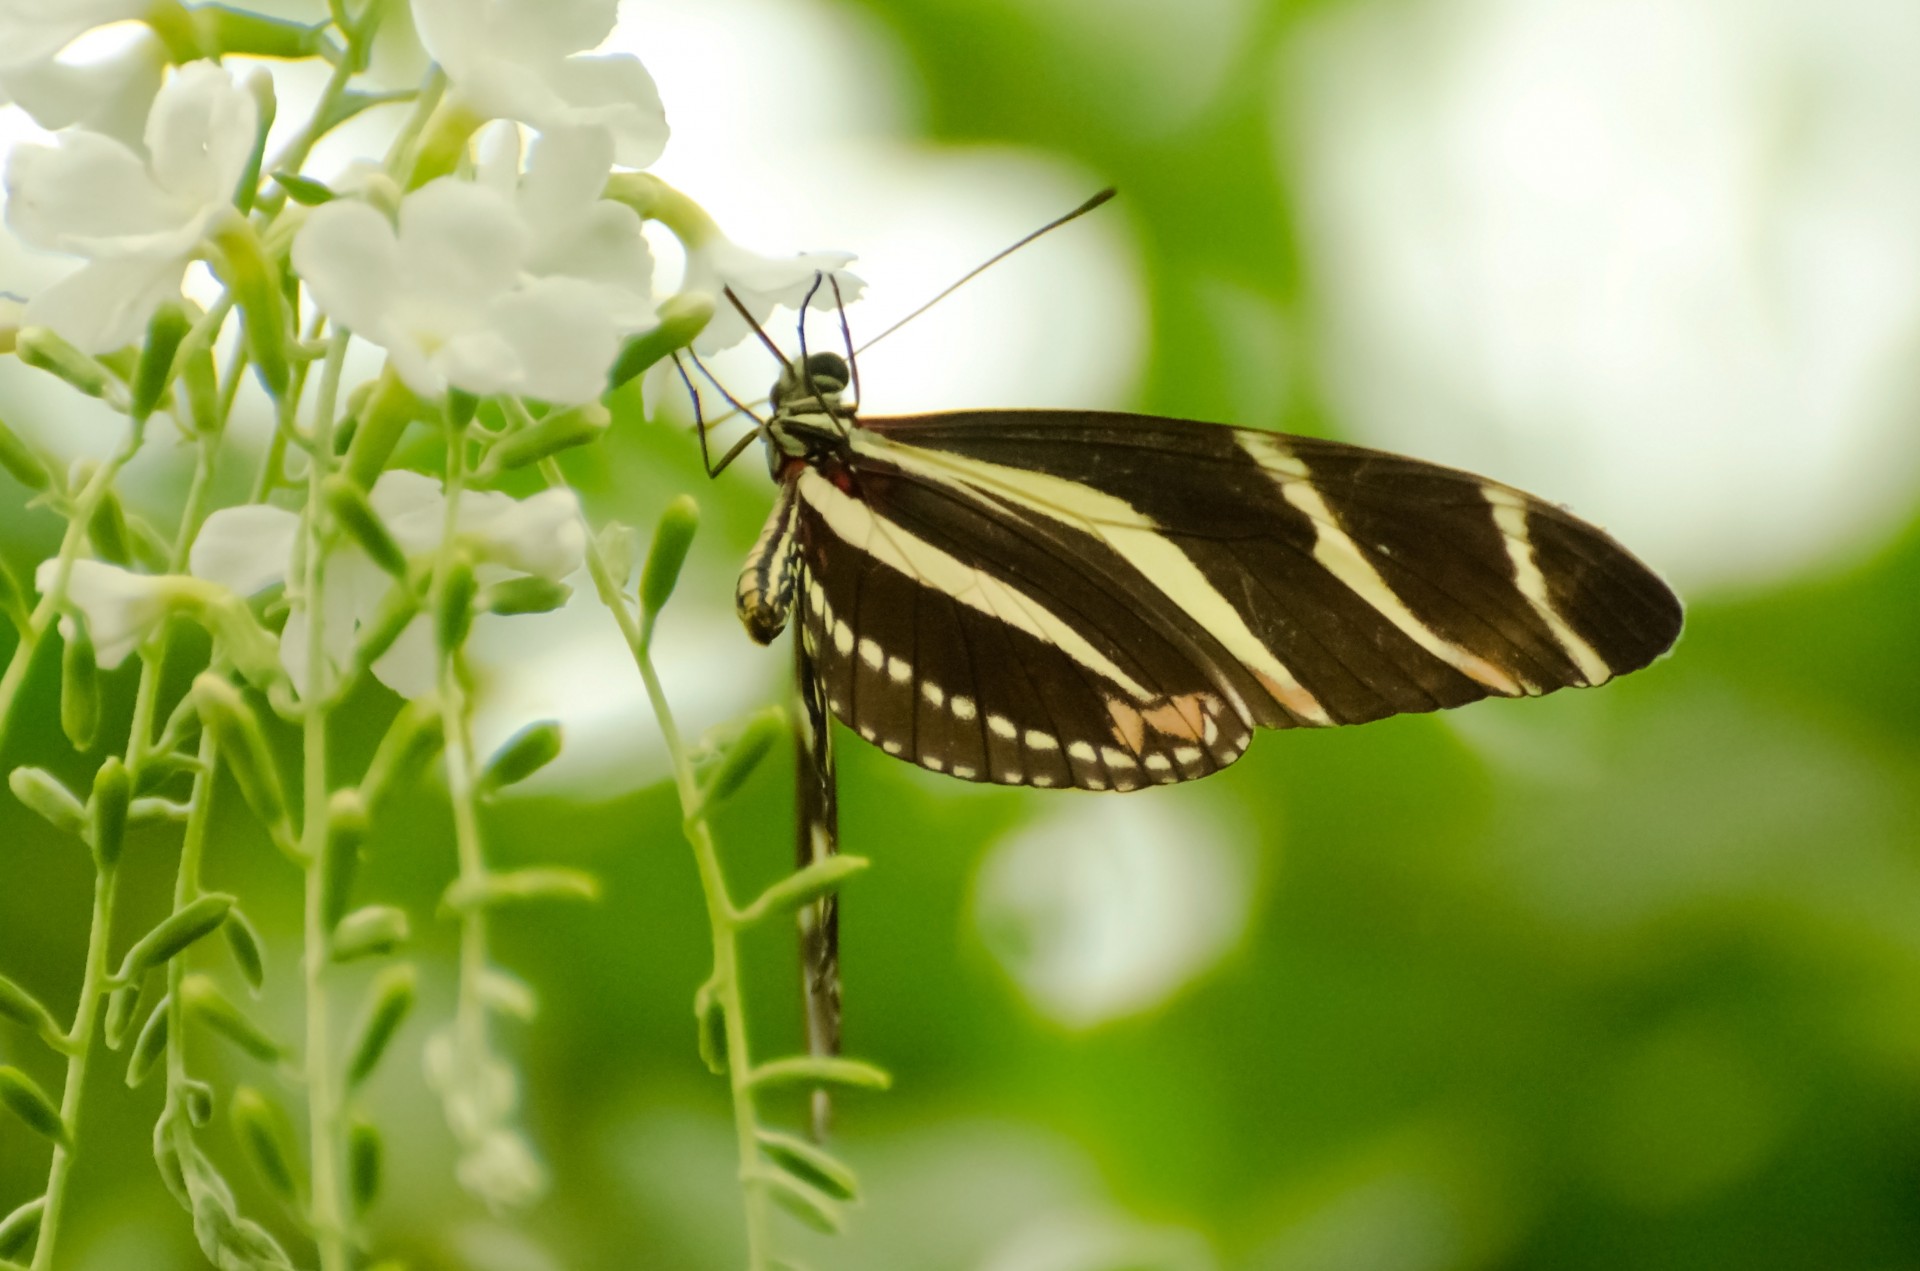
(828, 371)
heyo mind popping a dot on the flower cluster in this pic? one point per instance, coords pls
(488, 281)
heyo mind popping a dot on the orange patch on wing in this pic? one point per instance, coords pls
(1183, 717)
(1129, 726)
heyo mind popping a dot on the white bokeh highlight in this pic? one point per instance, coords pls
(1655, 258)
(1106, 907)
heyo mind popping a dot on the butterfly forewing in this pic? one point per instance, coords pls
(1109, 601)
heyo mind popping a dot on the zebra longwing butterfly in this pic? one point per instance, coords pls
(1067, 598)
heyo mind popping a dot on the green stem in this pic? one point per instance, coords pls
(326, 1124)
(85, 1027)
(470, 1011)
(722, 918)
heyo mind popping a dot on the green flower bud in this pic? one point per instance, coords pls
(154, 371)
(175, 934)
(21, 1227)
(412, 741)
(22, 1096)
(389, 1001)
(762, 729)
(211, 1007)
(112, 796)
(42, 792)
(347, 829)
(365, 1159)
(249, 954)
(107, 530)
(356, 516)
(303, 190)
(682, 317)
(79, 689)
(810, 1164)
(150, 1045)
(559, 431)
(454, 616)
(24, 1008)
(267, 1138)
(243, 747)
(521, 755)
(22, 462)
(528, 594)
(672, 537)
(254, 283)
(43, 350)
(374, 931)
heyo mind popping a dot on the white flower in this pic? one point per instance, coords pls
(573, 232)
(111, 94)
(122, 608)
(520, 59)
(251, 548)
(761, 283)
(138, 221)
(36, 30)
(446, 296)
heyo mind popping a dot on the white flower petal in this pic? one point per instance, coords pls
(83, 190)
(615, 91)
(562, 339)
(106, 304)
(458, 33)
(201, 133)
(761, 283)
(122, 608)
(33, 30)
(412, 508)
(112, 95)
(410, 668)
(461, 244)
(246, 549)
(482, 363)
(349, 257)
(542, 534)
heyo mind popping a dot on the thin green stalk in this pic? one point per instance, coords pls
(326, 1124)
(470, 1011)
(722, 917)
(86, 1022)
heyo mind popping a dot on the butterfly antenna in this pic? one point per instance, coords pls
(846, 334)
(758, 330)
(993, 260)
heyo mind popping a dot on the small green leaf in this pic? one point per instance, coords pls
(24, 1008)
(808, 1204)
(387, 1006)
(198, 1098)
(810, 1163)
(107, 811)
(365, 1164)
(249, 954)
(18, 1229)
(521, 755)
(23, 1097)
(175, 933)
(267, 1138)
(79, 689)
(803, 887)
(672, 538)
(370, 932)
(305, 191)
(820, 1070)
(107, 530)
(211, 1007)
(411, 742)
(42, 792)
(151, 1044)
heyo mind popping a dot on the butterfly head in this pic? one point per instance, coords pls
(817, 384)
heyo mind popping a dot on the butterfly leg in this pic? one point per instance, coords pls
(818, 837)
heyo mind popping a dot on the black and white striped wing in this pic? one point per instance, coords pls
(1109, 601)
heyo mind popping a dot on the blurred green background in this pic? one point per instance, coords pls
(1617, 979)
